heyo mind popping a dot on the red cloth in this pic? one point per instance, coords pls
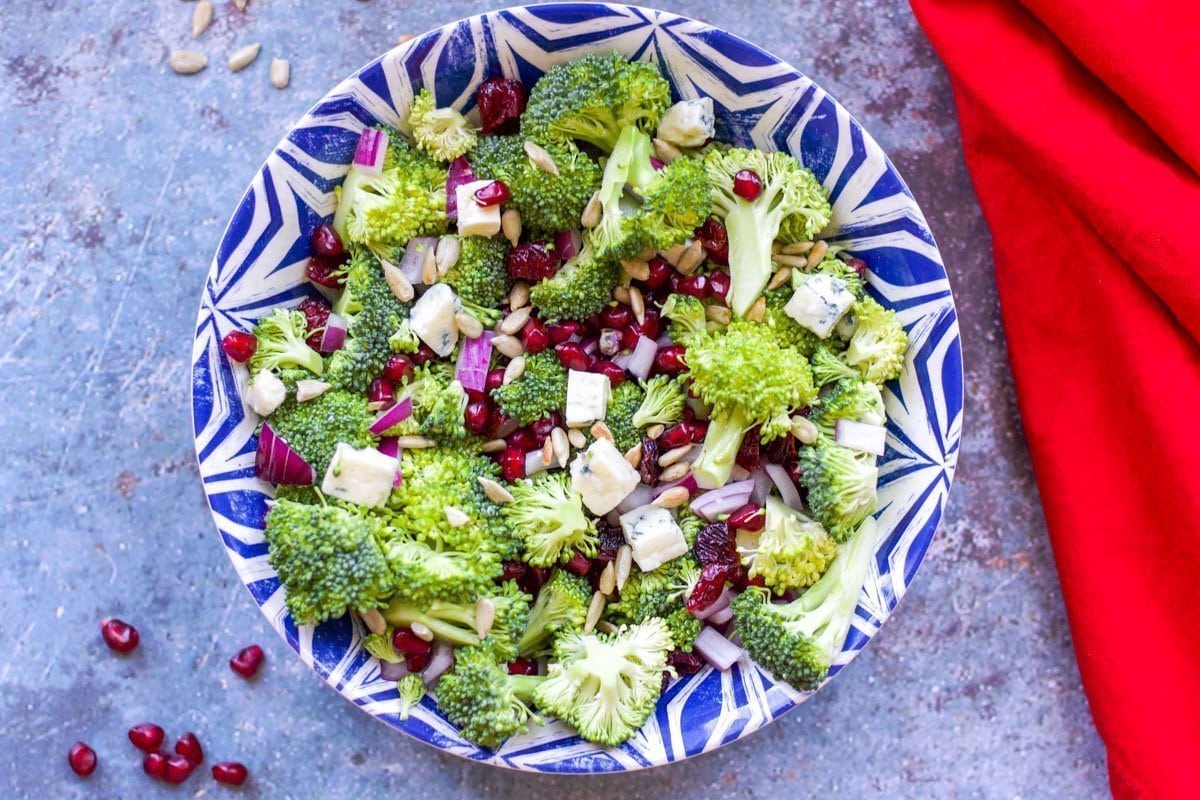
(1081, 128)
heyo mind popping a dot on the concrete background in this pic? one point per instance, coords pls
(119, 178)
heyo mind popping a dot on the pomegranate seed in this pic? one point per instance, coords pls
(616, 375)
(118, 635)
(718, 284)
(694, 285)
(533, 261)
(561, 331)
(512, 464)
(495, 379)
(397, 368)
(501, 102)
(660, 273)
(417, 662)
(747, 185)
(155, 765)
(708, 588)
(146, 737)
(715, 241)
(534, 336)
(230, 772)
(500, 424)
(675, 436)
(512, 570)
(493, 194)
(316, 313)
(240, 346)
(247, 661)
(858, 265)
(382, 393)
(524, 439)
(408, 643)
(83, 759)
(522, 666)
(572, 356)
(324, 271)
(651, 327)
(617, 316)
(541, 428)
(629, 337)
(749, 517)
(475, 418)
(325, 241)
(669, 360)
(715, 545)
(178, 769)
(578, 565)
(189, 747)
(424, 354)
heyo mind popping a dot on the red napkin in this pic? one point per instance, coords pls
(1081, 127)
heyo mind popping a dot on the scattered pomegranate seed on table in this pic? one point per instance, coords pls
(178, 768)
(747, 185)
(119, 635)
(189, 747)
(146, 737)
(247, 661)
(155, 765)
(82, 759)
(230, 772)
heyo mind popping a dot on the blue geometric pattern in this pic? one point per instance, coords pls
(760, 101)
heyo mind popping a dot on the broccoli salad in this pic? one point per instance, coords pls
(579, 403)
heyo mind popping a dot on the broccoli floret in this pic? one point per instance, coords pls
(851, 398)
(404, 340)
(607, 685)
(644, 207)
(661, 593)
(412, 690)
(841, 485)
(547, 515)
(592, 98)
(828, 366)
(548, 203)
(380, 645)
(834, 267)
(749, 379)
(879, 341)
(374, 316)
(687, 317)
(407, 199)
(786, 330)
(327, 558)
(424, 573)
(486, 703)
(663, 404)
(540, 389)
(691, 524)
(480, 276)
(438, 405)
(281, 343)
(792, 551)
(790, 194)
(797, 641)
(314, 428)
(561, 605)
(582, 287)
(443, 133)
(623, 405)
(458, 623)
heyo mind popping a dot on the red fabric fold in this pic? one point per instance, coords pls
(1081, 128)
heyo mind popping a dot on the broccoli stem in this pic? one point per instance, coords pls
(751, 234)
(719, 452)
(440, 620)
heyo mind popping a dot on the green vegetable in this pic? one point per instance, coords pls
(486, 703)
(792, 551)
(456, 623)
(623, 405)
(540, 389)
(547, 516)
(663, 402)
(443, 133)
(438, 404)
(315, 427)
(480, 276)
(661, 593)
(878, 344)
(281, 343)
(412, 691)
(851, 398)
(687, 316)
(841, 485)
(789, 332)
(380, 646)
(561, 606)
(829, 367)
(582, 287)
(425, 574)
(374, 318)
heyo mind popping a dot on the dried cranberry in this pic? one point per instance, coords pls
(616, 316)
(155, 765)
(382, 394)
(780, 450)
(423, 355)
(685, 663)
(512, 570)
(698, 431)
(715, 545)
(572, 356)
(475, 417)
(669, 360)
(324, 271)
(146, 737)
(561, 331)
(649, 469)
(406, 642)
(675, 436)
(660, 273)
(325, 241)
(749, 454)
(189, 747)
(501, 102)
(718, 284)
(534, 337)
(398, 368)
(749, 517)
(492, 194)
(610, 541)
(230, 772)
(616, 375)
(512, 464)
(119, 635)
(715, 241)
(82, 759)
(316, 314)
(247, 661)
(178, 769)
(533, 261)
(694, 285)
(495, 379)
(417, 662)
(578, 565)
(747, 185)
(709, 587)
(522, 666)
(531, 582)
(858, 265)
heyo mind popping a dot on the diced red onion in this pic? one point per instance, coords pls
(640, 496)
(414, 257)
(277, 462)
(372, 147)
(860, 436)
(783, 482)
(642, 359)
(654, 162)
(392, 672)
(390, 446)
(533, 462)
(622, 359)
(460, 173)
(334, 335)
(762, 486)
(568, 243)
(739, 473)
(664, 340)
(591, 345)
(393, 416)
(729, 497)
(473, 360)
(687, 481)
(722, 616)
(717, 650)
(440, 661)
(613, 518)
(721, 603)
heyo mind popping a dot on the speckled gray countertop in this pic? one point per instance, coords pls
(119, 177)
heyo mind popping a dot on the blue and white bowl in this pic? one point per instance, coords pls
(760, 101)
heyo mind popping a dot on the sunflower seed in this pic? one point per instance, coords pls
(404, 37)
(470, 326)
(594, 612)
(604, 626)
(781, 276)
(414, 443)
(280, 73)
(485, 616)
(796, 248)
(804, 430)
(429, 273)
(201, 18)
(646, 254)
(494, 491)
(758, 310)
(718, 314)
(638, 270)
(508, 346)
(672, 498)
(691, 258)
(515, 321)
(672, 456)
(493, 446)
(374, 620)
(608, 579)
(577, 439)
(634, 455)
(673, 255)
(675, 472)
(448, 248)
(188, 62)
(308, 390)
(244, 57)
(666, 151)
(547, 452)
(638, 304)
(776, 247)
(624, 565)
(421, 631)
(655, 431)
(397, 282)
(514, 370)
(538, 155)
(817, 254)
(519, 295)
(792, 262)
(510, 225)
(562, 447)
(240, 5)
(455, 517)
(590, 217)
(601, 431)
(621, 294)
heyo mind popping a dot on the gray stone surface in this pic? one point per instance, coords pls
(119, 178)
